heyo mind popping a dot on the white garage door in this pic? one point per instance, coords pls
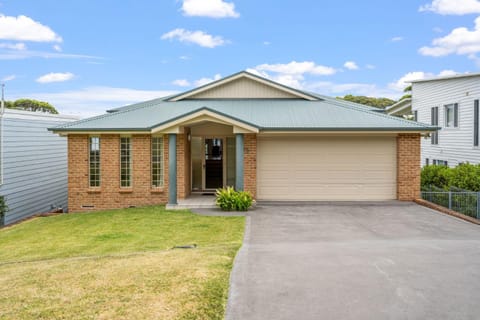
(326, 168)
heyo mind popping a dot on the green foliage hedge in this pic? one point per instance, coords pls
(230, 200)
(3, 209)
(464, 176)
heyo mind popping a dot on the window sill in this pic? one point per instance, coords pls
(157, 190)
(94, 190)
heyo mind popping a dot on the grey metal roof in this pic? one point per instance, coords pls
(265, 114)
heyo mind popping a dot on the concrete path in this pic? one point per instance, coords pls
(356, 261)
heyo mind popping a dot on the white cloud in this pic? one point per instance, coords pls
(203, 81)
(26, 54)
(181, 83)
(57, 48)
(291, 74)
(405, 80)
(13, 46)
(8, 78)
(209, 8)
(297, 68)
(93, 100)
(197, 37)
(396, 39)
(459, 41)
(55, 77)
(23, 28)
(454, 7)
(446, 73)
(370, 66)
(350, 65)
(266, 43)
(184, 58)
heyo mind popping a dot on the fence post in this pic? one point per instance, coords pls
(478, 205)
(450, 200)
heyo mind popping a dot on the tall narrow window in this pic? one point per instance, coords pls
(451, 115)
(94, 162)
(476, 120)
(125, 162)
(434, 122)
(415, 115)
(157, 161)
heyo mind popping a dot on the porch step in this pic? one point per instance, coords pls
(183, 206)
(194, 202)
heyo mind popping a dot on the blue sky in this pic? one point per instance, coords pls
(87, 56)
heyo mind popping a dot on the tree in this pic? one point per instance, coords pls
(31, 105)
(369, 101)
(408, 93)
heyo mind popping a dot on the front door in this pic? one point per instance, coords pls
(207, 155)
(213, 163)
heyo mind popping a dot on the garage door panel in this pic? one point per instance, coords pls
(319, 168)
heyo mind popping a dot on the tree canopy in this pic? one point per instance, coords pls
(31, 105)
(369, 101)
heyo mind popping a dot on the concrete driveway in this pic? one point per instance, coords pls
(356, 261)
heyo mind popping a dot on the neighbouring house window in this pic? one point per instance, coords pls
(451, 115)
(476, 120)
(440, 162)
(427, 161)
(157, 161)
(415, 115)
(94, 162)
(434, 122)
(125, 162)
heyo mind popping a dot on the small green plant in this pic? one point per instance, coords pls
(228, 199)
(3, 209)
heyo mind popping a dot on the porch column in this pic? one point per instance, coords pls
(172, 169)
(239, 161)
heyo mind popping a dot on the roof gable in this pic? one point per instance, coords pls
(244, 85)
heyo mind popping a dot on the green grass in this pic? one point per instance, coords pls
(118, 265)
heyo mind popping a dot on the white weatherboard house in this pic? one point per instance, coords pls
(451, 103)
(33, 163)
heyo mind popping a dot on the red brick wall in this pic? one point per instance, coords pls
(408, 166)
(109, 195)
(250, 163)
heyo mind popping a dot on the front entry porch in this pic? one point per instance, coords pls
(202, 157)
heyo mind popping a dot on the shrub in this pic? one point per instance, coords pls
(438, 176)
(230, 200)
(464, 176)
(3, 208)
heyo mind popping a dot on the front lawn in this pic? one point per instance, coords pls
(118, 264)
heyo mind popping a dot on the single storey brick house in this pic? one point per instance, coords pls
(245, 131)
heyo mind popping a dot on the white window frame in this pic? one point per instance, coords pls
(453, 108)
(157, 158)
(90, 162)
(128, 181)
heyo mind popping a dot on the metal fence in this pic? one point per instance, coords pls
(465, 202)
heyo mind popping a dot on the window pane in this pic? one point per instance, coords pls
(125, 162)
(450, 115)
(157, 161)
(94, 161)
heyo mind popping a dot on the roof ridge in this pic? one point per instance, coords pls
(111, 114)
(351, 106)
(138, 104)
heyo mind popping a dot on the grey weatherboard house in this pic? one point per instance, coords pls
(33, 163)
